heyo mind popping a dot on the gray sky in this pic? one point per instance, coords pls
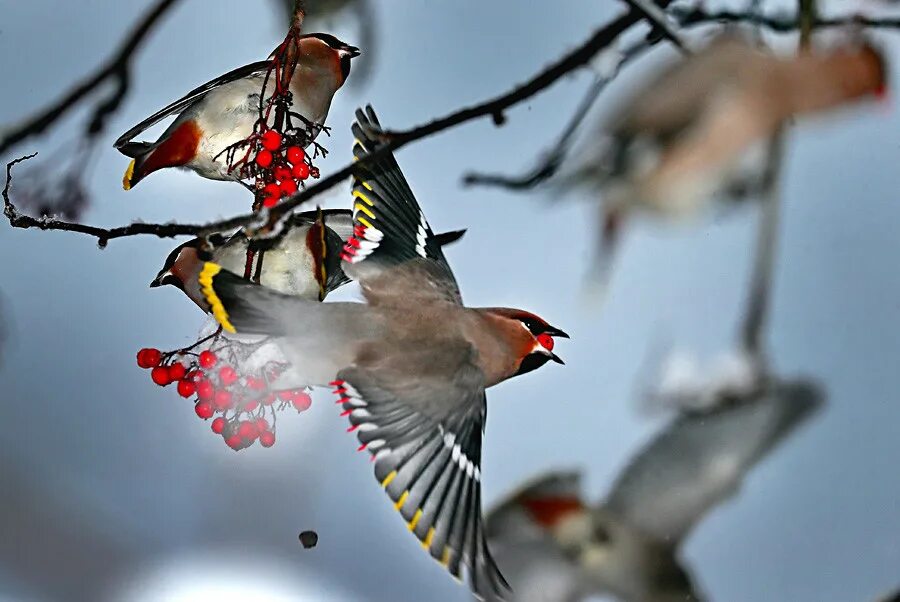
(123, 460)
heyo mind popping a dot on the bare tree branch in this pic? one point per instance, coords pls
(117, 68)
(687, 16)
(494, 107)
(659, 20)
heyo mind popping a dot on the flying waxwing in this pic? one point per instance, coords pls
(410, 366)
(223, 111)
(555, 547)
(305, 262)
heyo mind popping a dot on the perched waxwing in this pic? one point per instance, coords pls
(556, 547)
(689, 133)
(223, 111)
(304, 262)
(410, 367)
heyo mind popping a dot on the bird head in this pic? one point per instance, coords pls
(533, 338)
(182, 268)
(323, 51)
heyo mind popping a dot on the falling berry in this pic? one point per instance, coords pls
(282, 173)
(288, 187)
(271, 140)
(234, 442)
(218, 425)
(204, 409)
(301, 401)
(222, 399)
(546, 341)
(160, 376)
(148, 358)
(227, 375)
(264, 158)
(177, 371)
(295, 155)
(205, 389)
(309, 539)
(267, 438)
(207, 359)
(300, 170)
(186, 388)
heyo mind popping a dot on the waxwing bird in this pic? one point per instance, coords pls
(410, 366)
(223, 111)
(305, 261)
(554, 546)
(687, 134)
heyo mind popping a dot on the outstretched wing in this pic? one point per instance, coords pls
(390, 228)
(194, 95)
(424, 435)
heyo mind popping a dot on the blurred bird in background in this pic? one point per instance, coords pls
(410, 366)
(223, 111)
(554, 546)
(691, 132)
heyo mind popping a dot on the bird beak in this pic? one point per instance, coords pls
(350, 51)
(553, 331)
(556, 359)
(158, 280)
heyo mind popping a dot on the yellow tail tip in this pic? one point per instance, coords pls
(126, 179)
(206, 286)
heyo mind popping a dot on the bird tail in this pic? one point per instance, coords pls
(243, 306)
(445, 238)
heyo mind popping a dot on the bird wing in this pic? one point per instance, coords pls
(701, 459)
(424, 434)
(390, 228)
(194, 95)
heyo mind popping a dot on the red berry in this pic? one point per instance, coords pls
(227, 375)
(177, 371)
(301, 401)
(186, 388)
(257, 384)
(268, 399)
(148, 357)
(234, 442)
(271, 140)
(546, 341)
(288, 187)
(264, 158)
(247, 430)
(267, 438)
(270, 201)
(205, 389)
(272, 189)
(218, 425)
(300, 170)
(262, 424)
(282, 173)
(251, 405)
(222, 399)
(286, 395)
(193, 376)
(204, 409)
(207, 359)
(160, 376)
(295, 155)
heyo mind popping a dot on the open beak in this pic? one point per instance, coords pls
(556, 358)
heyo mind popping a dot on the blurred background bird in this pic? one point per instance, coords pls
(410, 367)
(695, 131)
(223, 111)
(555, 546)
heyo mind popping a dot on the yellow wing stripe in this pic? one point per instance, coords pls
(357, 194)
(402, 499)
(366, 185)
(387, 480)
(206, 286)
(445, 557)
(126, 179)
(411, 525)
(364, 209)
(426, 543)
(363, 221)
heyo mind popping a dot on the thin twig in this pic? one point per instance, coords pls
(687, 16)
(659, 20)
(494, 107)
(117, 68)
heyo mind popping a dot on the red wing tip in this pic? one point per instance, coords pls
(336, 383)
